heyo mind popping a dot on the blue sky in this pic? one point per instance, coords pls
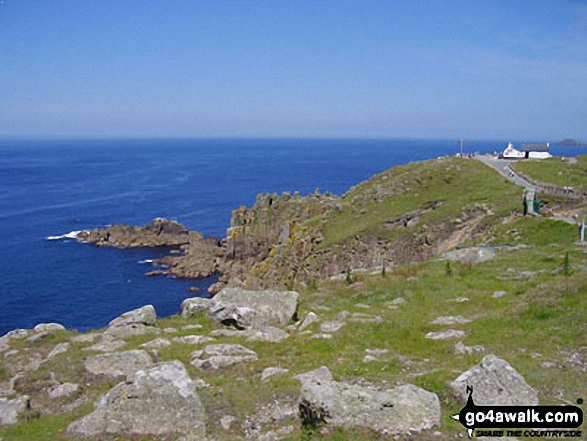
(294, 68)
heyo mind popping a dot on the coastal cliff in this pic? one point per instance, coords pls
(405, 215)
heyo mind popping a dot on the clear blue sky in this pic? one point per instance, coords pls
(512, 69)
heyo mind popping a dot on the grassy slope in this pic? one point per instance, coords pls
(460, 184)
(556, 172)
(542, 318)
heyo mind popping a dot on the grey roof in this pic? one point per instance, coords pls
(535, 147)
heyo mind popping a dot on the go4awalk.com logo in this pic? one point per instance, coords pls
(520, 421)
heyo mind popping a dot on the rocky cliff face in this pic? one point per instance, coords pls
(404, 215)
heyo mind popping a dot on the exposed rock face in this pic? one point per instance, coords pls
(219, 356)
(10, 409)
(402, 410)
(137, 322)
(118, 364)
(158, 401)
(194, 305)
(161, 232)
(49, 327)
(247, 309)
(495, 382)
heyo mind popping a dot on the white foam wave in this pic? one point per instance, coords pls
(146, 261)
(71, 235)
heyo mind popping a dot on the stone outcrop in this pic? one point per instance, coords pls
(267, 333)
(250, 309)
(161, 232)
(194, 305)
(137, 322)
(399, 411)
(11, 409)
(470, 255)
(495, 382)
(160, 401)
(118, 364)
(49, 327)
(218, 356)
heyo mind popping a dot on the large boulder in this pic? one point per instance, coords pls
(49, 327)
(495, 382)
(402, 410)
(194, 305)
(145, 315)
(160, 401)
(118, 364)
(136, 322)
(250, 309)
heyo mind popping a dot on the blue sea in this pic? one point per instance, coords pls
(50, 188)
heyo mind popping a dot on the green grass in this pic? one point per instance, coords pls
(544, 314)
(388, 196)
(554, 171)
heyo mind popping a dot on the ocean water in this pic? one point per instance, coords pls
(50, 188)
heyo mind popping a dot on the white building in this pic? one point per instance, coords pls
(528, 151)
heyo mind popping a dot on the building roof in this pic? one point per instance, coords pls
(536, 147)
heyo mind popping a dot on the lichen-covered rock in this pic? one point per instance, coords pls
(194, 305)
(317, 375)
(63, 390)
(118, 364)
(403, 410)
(145, 315)
(60, 348)
(470, 255)
(219, 356)
(311, 318)
(49, 327)
(331, 326)
(495, 382)
(157, 343)
(271, 371)
(445, 335)
(109, 344)
(136, 322)
(159, 401)
(10, 409)
(193, 339)
(268, 334)
(245, 309)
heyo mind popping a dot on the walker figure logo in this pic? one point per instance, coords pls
(553, 419)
